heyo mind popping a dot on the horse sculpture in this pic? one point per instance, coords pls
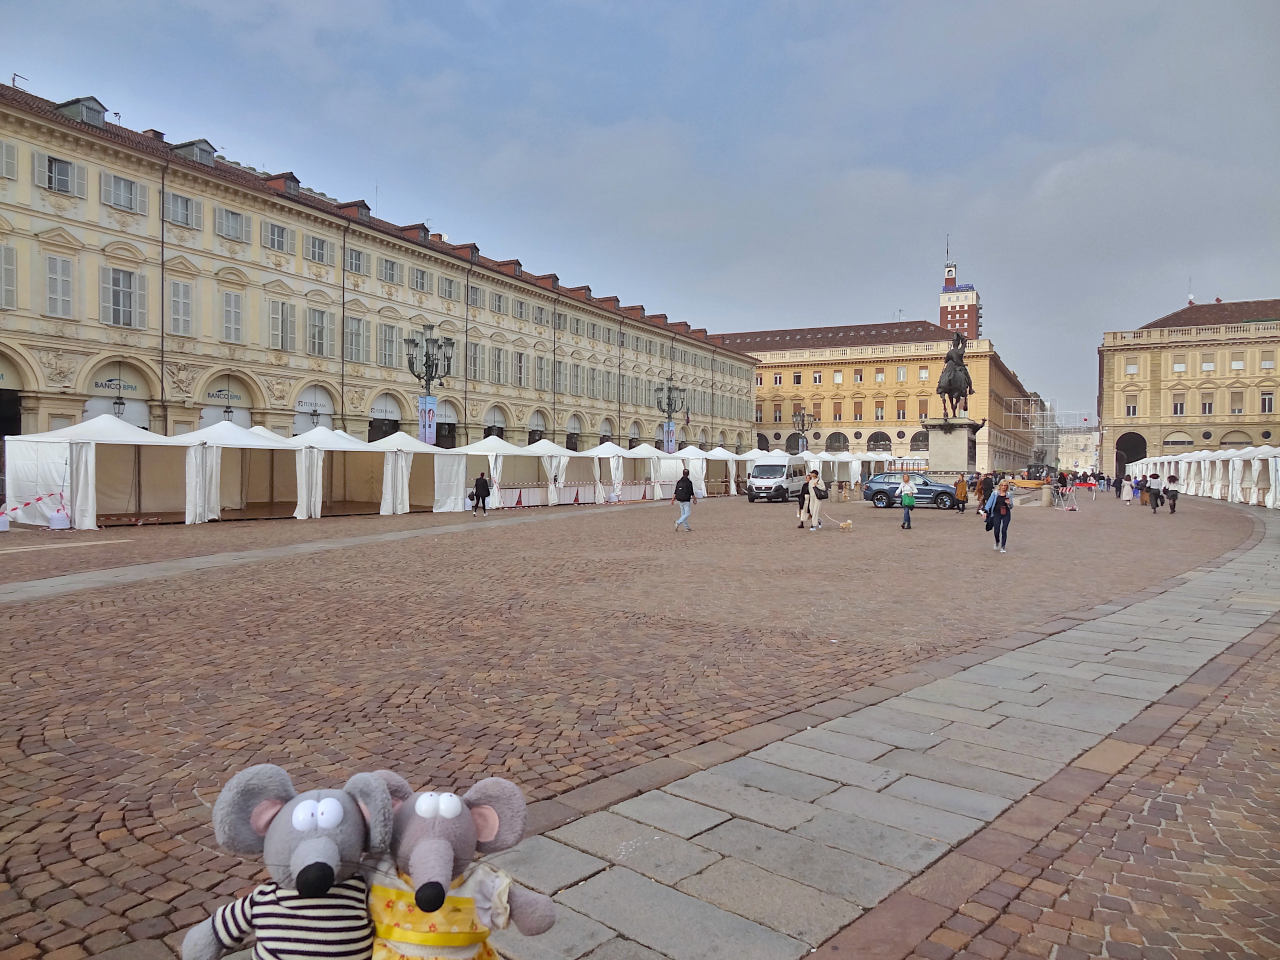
(955, 385)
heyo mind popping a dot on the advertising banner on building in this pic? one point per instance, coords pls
(427, 419)
(669, 437)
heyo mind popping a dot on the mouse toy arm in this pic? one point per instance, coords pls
(532, 913)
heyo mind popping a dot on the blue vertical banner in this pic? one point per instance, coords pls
(427, 419)
(669, 437)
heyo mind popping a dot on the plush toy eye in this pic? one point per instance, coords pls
(450, 805)
(329, 813)
(427, 805)
(304, 815)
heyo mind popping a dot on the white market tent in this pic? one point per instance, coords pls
(1244, 475)
(567, 476)
(351, 474)
(621, 473)
(403, 487)
(231, 468)
(91, 469)
(726, 468)
(664, 468)
(456, 469)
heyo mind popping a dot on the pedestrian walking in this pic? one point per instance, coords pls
(999, 511)
(480, 496)
(1118, 484)
(986, 485)
(907, 492)
(815, 493)
(1126, 490)
(1155, 492)
(683, 495)
(962, 493)
(1171, 493)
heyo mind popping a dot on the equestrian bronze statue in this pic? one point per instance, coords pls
(955, 384)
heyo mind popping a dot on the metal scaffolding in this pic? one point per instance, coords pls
(1040, 424)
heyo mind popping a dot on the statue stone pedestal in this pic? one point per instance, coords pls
(953, 447)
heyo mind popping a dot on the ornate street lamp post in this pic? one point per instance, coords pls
(803, 420)
(429, 357)
(669, 400)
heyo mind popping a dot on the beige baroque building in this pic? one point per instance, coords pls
(1203, 377)
(868, 386)
(190, 289)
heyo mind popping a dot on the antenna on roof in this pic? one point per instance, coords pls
(13, 81)
(948, 248)
(1191, 300)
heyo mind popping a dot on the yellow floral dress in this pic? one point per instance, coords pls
(477, 903)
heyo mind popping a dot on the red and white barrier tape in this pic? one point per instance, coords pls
(39, 499)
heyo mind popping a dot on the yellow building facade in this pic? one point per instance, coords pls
(1203, 377)
(189, 289)
(868, 387)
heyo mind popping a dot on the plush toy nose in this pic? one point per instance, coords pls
(315, 879)
(429, 897)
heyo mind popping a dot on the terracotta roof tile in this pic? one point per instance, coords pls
(820, 338)
(1212, 314)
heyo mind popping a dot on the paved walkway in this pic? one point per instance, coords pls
(864, 835)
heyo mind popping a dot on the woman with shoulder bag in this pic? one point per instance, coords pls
(907, 492)
(999, 511)
(817, 492)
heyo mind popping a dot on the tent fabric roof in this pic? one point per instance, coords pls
(322, 438)
(264, 432)
(606, 449)
(224, 433)
(104, 429)
(647, 451)
(549, 448)
(403, 441)
(495, 445)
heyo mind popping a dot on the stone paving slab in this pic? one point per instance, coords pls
(573, 935)
(891, 846)
(675, 815)
(945, 796)
(676, 924)
(754, 772)
(544, 865)
(843, 874)
(636, 846)
(732, 797)
(839, 744)
(833, 767)
(779, 903)
(934, 766)
(904, 814)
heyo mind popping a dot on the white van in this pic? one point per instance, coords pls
(776, 476)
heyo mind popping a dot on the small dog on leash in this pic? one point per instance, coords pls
(846, 525)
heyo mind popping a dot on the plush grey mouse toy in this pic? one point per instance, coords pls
(312, 844)
(429, 898)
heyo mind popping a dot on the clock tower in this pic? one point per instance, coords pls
(959, 306)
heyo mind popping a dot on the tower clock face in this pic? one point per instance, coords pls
(951, 272)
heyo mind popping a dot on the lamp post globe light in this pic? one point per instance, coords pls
(669, 400)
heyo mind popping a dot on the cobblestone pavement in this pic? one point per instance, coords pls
(588, 659)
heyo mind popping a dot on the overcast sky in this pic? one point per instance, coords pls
(743, 164)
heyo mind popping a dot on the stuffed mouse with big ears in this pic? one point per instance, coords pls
(312, 844)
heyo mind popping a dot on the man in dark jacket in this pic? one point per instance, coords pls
(986, 485)
(683, 495)
(480, 495)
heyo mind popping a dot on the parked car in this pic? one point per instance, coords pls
(880, 491)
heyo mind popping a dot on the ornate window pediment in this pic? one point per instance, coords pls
(53, 237)
(182, 265)
(123, 251)
(280, 287)
(232, 275)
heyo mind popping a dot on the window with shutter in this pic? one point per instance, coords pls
(232, 320)
(8, 160)
(180, 308)
(8, 278)
(58, 280)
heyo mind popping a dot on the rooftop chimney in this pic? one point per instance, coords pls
(154, 135)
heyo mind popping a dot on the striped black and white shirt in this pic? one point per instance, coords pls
(289, 926)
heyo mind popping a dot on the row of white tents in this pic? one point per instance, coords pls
(105, 467)
(1246, 475)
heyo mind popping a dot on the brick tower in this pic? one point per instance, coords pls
(959, 306)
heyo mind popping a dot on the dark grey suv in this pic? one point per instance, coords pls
(880, 491)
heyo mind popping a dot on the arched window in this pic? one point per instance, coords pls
(920, 441)
(572, 431)
(495, 422)
(606, 430)
(633, 434)
(837, 443)
(446, 425)
(537, 426)
(879, 442)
